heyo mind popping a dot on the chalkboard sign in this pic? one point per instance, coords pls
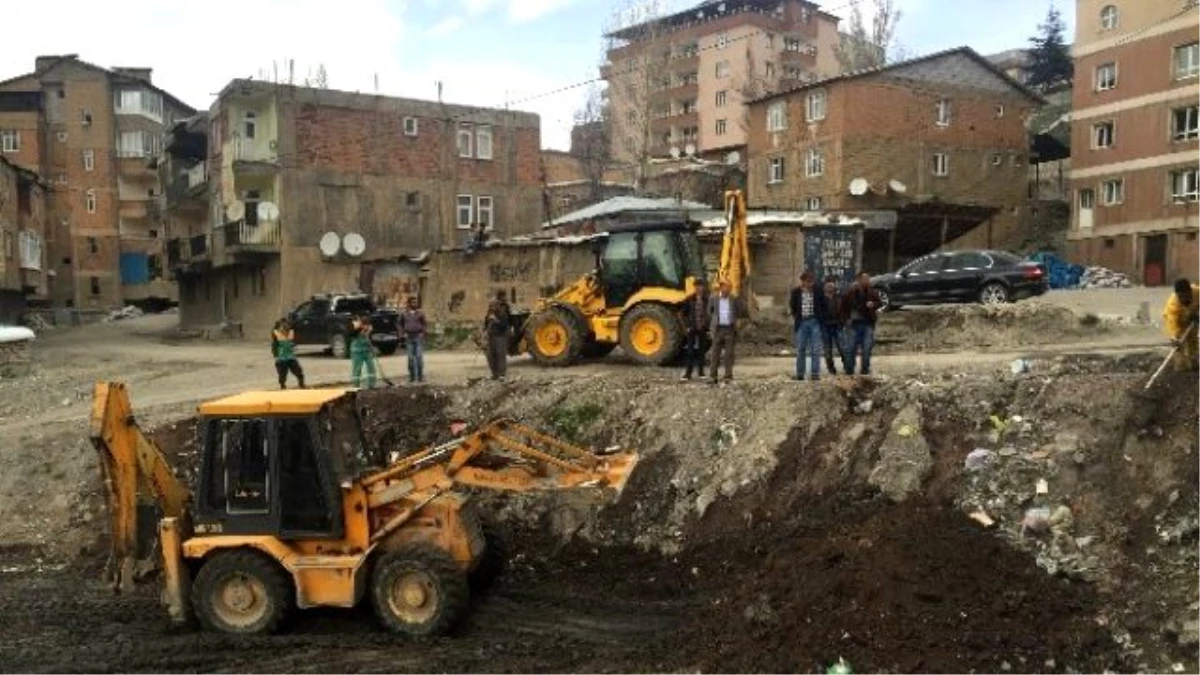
(832, 251)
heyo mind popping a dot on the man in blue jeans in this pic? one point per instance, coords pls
(412, 323)
(809, 310)
(860, 309)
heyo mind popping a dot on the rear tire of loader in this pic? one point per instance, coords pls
(241, 593)
(418, 590)
(554, 337)
(651, 334)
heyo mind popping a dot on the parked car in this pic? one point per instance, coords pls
(325, 320)
(987, 277)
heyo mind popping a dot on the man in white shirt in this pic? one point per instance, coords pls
(724, 309)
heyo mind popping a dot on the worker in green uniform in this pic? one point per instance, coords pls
(283, 348)
(361, 352)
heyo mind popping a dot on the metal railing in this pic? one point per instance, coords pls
(198, 246)
(240, 233)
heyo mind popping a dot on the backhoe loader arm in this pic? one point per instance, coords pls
(735, 247)
(135, 472)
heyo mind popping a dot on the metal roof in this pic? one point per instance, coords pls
(283, 402)
(618, 205)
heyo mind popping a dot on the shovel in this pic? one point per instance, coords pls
(1174, 350)
(379, 369)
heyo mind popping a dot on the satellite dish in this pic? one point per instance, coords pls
(330, 243)
(235, 211)
(859, 186)
(733, 158)
(268, 211)
(674, 152)
(690, 149)
(897, 186)
(354, 244)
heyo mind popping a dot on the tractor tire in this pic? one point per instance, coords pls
(337, 346)
(597, 350)
(242, 593)
(554, 337)
(418, 590)
(651, 334)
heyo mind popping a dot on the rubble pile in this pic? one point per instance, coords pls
(1102, 277)
(126, 312)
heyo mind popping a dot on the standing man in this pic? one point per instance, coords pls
(860, 309)
(283, 348)
(412, 323)
(809, 310)
(361, 352)
(833, 326)
(696, 318)
(496, 326)
(724, 309)
(1179, 321)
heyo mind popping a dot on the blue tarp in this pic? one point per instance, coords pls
(1061, 273)
(135, 268)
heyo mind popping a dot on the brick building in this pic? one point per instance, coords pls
(289, 167)
(940, 140)
(88, 131)
(1134, 137)
(23, 237)
(684, 79)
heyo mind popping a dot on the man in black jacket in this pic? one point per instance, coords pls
(860, 311)
(833, 326)
(809, 310)
(696, 319)
(496, 326)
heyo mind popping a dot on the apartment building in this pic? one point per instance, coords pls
(940, 141)
(22, 234)
(312, 190)
(89, 131)
(682, 81)
(1134, 137)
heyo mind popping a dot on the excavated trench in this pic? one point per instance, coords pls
(757, 534)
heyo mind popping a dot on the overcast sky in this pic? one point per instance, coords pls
(485, 52)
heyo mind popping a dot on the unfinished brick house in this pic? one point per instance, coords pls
(938, 141)
(89, 132)
(23, 237)
(313, 190)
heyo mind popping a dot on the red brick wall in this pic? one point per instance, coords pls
(1144, 66)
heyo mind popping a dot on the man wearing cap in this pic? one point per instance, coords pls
(696, 319)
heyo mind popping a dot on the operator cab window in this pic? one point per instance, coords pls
(304, 500)
(660, 260)
(240, 473)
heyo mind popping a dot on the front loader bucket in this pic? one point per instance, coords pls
(616, 469)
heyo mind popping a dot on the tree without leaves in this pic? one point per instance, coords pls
(864, 47)
(1049, 57)
(591, 140)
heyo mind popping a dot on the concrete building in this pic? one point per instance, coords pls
(684, 79)
(88, 131)
(940, 141)
(314, 190)
(1134, 137)
(23, 237)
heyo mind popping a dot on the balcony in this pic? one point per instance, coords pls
(187, 255)
(141, 210)
(190, 184)
(251, 239)
(255, 157)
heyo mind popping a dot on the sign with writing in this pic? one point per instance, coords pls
(832, 251)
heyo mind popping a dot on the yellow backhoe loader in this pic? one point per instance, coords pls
(291, 509)
(644, 275)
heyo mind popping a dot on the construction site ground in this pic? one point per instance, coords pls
(948, 515)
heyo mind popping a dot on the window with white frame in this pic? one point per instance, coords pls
(465, 211)
(89, 201)
(1187, 60)
(1109, 17)
(722, 69)
(483, 141)
(775, 170)
(10, 140)
(1106, 76)
(1087, 198)
(943, 112)
(722, 127)
(814, 163)
(465, 142)
(138, 144)
(792, 44)
(1184, 123)
(89, 160)
(722, 41)
(940, 164)
(1113, 191)
(249, 125)
(483, 209)
(812, 204)
(997, 159)
(722, 98)
(1184, 187)
(777, 116)
(814, 110)
(1103, 134)
(410, 126)
(138, 102)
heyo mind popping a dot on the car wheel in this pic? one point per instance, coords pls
(388, 349)
(885, 302)
(993, 294)
(337, 347)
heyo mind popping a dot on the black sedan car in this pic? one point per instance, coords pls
(987, 277)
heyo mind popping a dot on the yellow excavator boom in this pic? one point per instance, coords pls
(735, 247)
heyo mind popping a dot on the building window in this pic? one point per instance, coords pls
(1109, 242)
(89, 160)
(815, 106)
(793, 44)
(93, 247)
(770, 70)
(1113, 191)
(95, 285)
(1087, 198)
(722, 69)
(941, 164)
(812, 204)
(722, 97)
(1103, 134)
(138, 102)
(483, 141)
(249, 125)
(10, 141)
(1187, 60)
(483, 208)
(138, 144)
(775, 173)
(999, 111)
(412, 200)
(410, 126)
(1183, 186)
(1184, 123)
(777, 116)
(1109, 17)
(814, 164)
(997, 159)
(722, 41)
(464, 211)
(1106, 76)
(721, 127)
(464, 140)
(89, 201)
(943, 112)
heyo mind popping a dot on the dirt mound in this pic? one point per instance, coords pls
(955, 327)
